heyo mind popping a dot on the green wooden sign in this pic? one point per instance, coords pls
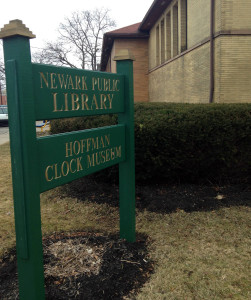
(37, 92)
(65, 157)
(64, 92)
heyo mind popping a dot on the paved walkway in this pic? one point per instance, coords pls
(4, 132)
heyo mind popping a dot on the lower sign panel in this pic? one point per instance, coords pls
(66, 157)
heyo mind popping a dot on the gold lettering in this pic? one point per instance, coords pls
(56, 171)
(118, 151)
(107, 155)
(95, 144)
(53, 81)
(90, 161)
(66, 102)
(62, 80)
(77, 82)
(65, 163)
(84, 85)
(97, 159)
(100, 84)
(84, 98)
(116, 88)
(94, 101)
(43, 79)
(110, 89)
(76, 152)
(75, 100)
(94, 83)
(107, 140)
(88, 144)
(106, 84)
(55, 103)
(102, 101)
(68, 149)
(83, 145)
(110, 98)
(102, 157)
(46, 174)
(79, 166)
(71, 170)
(70, 83)
(102, 142)
(112, 154)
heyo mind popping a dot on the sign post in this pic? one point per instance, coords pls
(127, 168)
(24, 160)
(37, 92)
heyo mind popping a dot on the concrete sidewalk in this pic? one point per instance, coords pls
(4, 135)
(4, 132)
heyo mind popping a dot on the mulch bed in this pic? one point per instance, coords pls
(165, 198)
(82, 265)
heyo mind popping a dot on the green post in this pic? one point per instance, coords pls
(127, 168)
(24, 159)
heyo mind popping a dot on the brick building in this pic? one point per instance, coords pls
(137, 42)
(3, 98)
(196, 51)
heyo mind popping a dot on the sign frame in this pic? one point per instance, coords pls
(24, 144)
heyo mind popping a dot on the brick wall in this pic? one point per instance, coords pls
(198, 21)
(139, 49)
(182, 78)
(177, 76)
(3, 99)
(233, 69)
(185, 79)
(168, 36)
(113, 63)
(152, 49)
(233, 51)
(235, 14)
(232, 15)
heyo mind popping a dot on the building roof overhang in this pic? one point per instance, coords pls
(128, 32)
(154, 12)
(138, 30)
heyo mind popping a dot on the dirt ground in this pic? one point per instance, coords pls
(84, 266)
(93, 266)
(166, 198)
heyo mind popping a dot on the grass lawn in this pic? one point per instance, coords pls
(196, 254)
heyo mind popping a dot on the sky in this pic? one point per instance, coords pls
(43, 17)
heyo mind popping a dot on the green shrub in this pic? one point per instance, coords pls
(184, 142)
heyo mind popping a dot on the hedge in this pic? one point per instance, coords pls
(183, 142)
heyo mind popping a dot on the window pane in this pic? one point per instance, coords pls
(157, 46)
(168, 36)
(175, 30)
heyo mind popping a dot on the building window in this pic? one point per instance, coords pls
(171, 32)
(183, 25)
(157, 45)
(175, 30)
(162, 41)
(168, 36)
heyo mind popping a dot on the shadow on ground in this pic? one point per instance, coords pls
(164, 198)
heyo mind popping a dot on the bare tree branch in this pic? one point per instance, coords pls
(2, 71)
(80, 40)
(54, 53)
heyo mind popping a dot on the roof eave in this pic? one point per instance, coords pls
(108, 41)
(153, 14)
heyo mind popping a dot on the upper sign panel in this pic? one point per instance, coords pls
(63, 92)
